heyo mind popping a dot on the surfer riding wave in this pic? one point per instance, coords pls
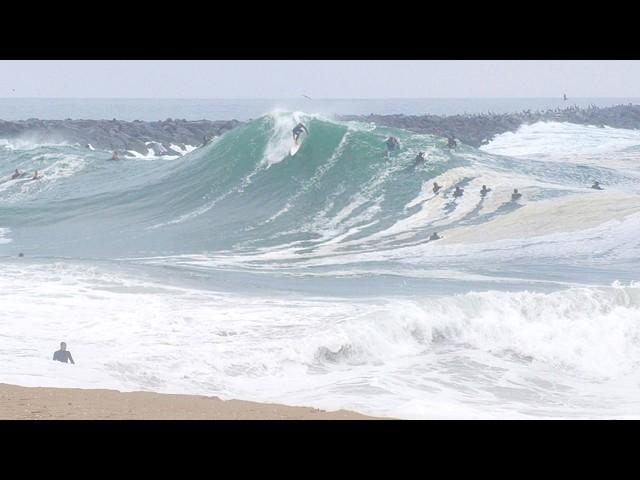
(297, 131)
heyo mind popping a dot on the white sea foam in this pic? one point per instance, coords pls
(129, 333)
(55, 167)
(4, 235)
(567, 142)
(25, 143)
(281, 140)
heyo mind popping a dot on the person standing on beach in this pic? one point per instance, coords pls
(63, 355)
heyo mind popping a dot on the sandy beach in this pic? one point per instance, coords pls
(37, 403)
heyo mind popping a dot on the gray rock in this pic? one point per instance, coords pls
(475, 130)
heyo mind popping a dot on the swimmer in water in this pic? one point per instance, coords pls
(392, 144)
(515, 195)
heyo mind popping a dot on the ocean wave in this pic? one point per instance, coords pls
(180, 339)
(338, 200)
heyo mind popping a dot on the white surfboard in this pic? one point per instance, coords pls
(296, 146)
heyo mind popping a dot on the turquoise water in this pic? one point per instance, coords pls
(240, 271)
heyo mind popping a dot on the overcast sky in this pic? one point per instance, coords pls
(319, 78)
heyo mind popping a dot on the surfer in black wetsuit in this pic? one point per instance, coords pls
(419, 158)
(451, 142)
(484, 190)
(63, 355)
(458, 192)
(436, 187)
(435, 236)
(596, 185)
(297, 131)
(392, 144)
(16, 174)
(515, 195)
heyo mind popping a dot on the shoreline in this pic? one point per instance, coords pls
(46, 403)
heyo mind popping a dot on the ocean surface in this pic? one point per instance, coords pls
(239, 271)
(244, 109)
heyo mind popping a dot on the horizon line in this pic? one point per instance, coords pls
(310, 99)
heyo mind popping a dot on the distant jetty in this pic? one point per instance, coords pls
(478, 129)
(159, 137)
(137, 136)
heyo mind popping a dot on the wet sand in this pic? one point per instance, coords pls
(38, 403)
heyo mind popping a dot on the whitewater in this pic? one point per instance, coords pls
(236, 270)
